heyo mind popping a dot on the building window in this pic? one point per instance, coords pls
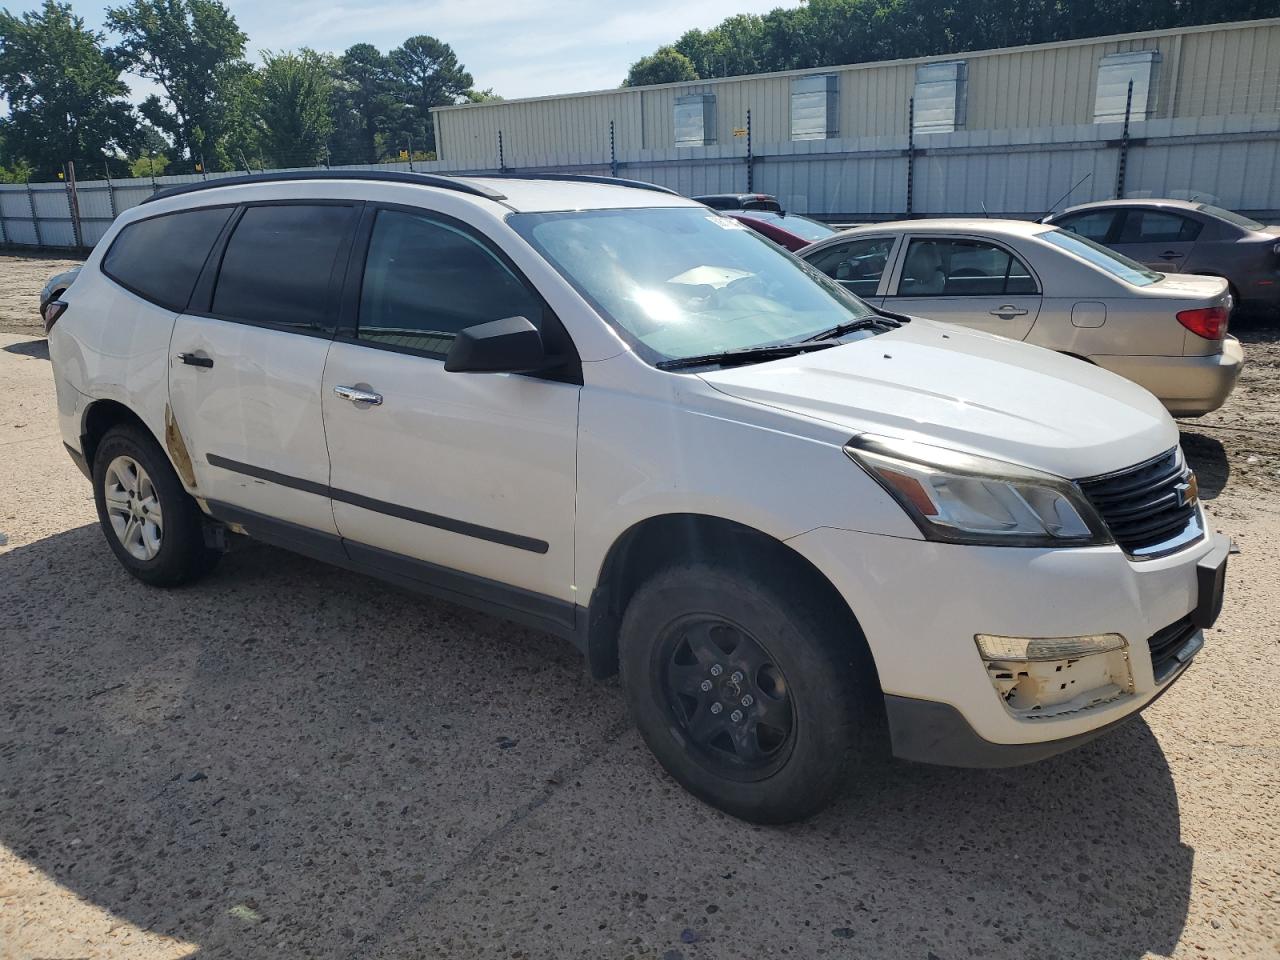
(695, 120)
(815, 107)
(940, 97)
(1114, 74)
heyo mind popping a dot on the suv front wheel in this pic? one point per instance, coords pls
(755, 694)
(151, 523)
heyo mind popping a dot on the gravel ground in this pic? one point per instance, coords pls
(20, 281)
(289, 760)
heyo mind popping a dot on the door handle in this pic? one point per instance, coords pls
(1008, 312)
(195, 360)
(358, 396)
(1170, 255)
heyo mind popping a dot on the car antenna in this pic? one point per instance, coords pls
(984, 209)
(1054, 205)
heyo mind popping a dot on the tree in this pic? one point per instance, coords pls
(66, 98)
(149, 165)
(363, 106)
(732, 49)
(194, 50)
(295, 97)
(664, 65)
(425, 73)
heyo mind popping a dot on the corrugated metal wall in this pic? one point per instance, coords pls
(1214, 133)
(1204, 71)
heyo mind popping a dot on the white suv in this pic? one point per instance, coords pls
(801, 528)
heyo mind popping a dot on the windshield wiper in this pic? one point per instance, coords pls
(745, 355)
(862, 323)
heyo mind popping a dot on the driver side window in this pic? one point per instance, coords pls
(424, 280)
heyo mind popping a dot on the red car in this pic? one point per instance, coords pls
(785, 229)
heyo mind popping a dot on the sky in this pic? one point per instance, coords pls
(530, 49)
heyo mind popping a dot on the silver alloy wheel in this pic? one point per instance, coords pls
(133, 507)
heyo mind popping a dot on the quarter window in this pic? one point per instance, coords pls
(857, 264)
(424, 280)
(960, 268)
(161, 258)
(280, 263)
(1156, 226)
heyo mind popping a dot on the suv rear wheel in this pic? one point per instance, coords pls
(750, 690)
(150, 522)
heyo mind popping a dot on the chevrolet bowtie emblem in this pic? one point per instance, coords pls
(1188, 491)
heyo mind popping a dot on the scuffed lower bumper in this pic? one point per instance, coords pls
(926, 731)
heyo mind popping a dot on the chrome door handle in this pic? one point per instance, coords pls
(358, 396)
(1008, 312)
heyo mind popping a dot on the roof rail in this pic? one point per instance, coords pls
(582, 178)
(393, 176)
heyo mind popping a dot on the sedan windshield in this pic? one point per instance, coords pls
(685, 282)
(1130, 271)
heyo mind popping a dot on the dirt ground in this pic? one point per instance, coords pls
(287, 760)
(21, 278)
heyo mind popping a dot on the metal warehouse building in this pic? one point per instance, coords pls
(1010, 129)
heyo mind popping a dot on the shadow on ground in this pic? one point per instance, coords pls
(1208, 458)
(290, 760)
(29, 348)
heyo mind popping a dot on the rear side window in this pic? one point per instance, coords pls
(424, 280)
(962, 268)
(1156, 226)
(280, 263)
(160, 258)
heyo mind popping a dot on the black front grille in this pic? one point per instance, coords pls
(1165, 643)
(1144, 505)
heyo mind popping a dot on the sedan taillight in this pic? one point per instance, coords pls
(1207, 322)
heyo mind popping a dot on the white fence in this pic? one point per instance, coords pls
(1233, 161)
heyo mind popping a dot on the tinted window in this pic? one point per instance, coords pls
(857, 264)
(279, 265)
(425, 280)
(1094, 225)
(1230, 216)
(802, 227)
(161, 258)
(960, 268)
(1113, 263)
(1156, 226)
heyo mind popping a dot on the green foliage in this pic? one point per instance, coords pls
(664, 65)
(66, 98)
(822, 33)
(424, 73)
(363, 104)
(295, 94)
(194, 50)
(151, 165)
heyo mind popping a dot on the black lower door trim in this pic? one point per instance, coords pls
(558, 617)
(466, 529)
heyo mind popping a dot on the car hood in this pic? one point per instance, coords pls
(967, 391)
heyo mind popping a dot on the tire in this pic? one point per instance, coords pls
(165, 547)
(813, 657)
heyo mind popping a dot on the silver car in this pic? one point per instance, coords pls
(1034, 282)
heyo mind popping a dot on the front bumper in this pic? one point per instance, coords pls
(921, 603)
(1187, 386)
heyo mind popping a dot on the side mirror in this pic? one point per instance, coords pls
(510, 345)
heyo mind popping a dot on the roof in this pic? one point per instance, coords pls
(531, 193)
(988, 225)
(1137, 202)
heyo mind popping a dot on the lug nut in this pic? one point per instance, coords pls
(717, 670)
(748, 700)
(716, 708)
(736, 716)
(705, 686)
(737, 676)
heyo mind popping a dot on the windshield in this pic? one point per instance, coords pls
(1130, 271)
(802, 227)
(1231, 217)
(685, 281)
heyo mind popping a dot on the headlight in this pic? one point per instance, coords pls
(961, 498)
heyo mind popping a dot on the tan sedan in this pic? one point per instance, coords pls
(1034, 282)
